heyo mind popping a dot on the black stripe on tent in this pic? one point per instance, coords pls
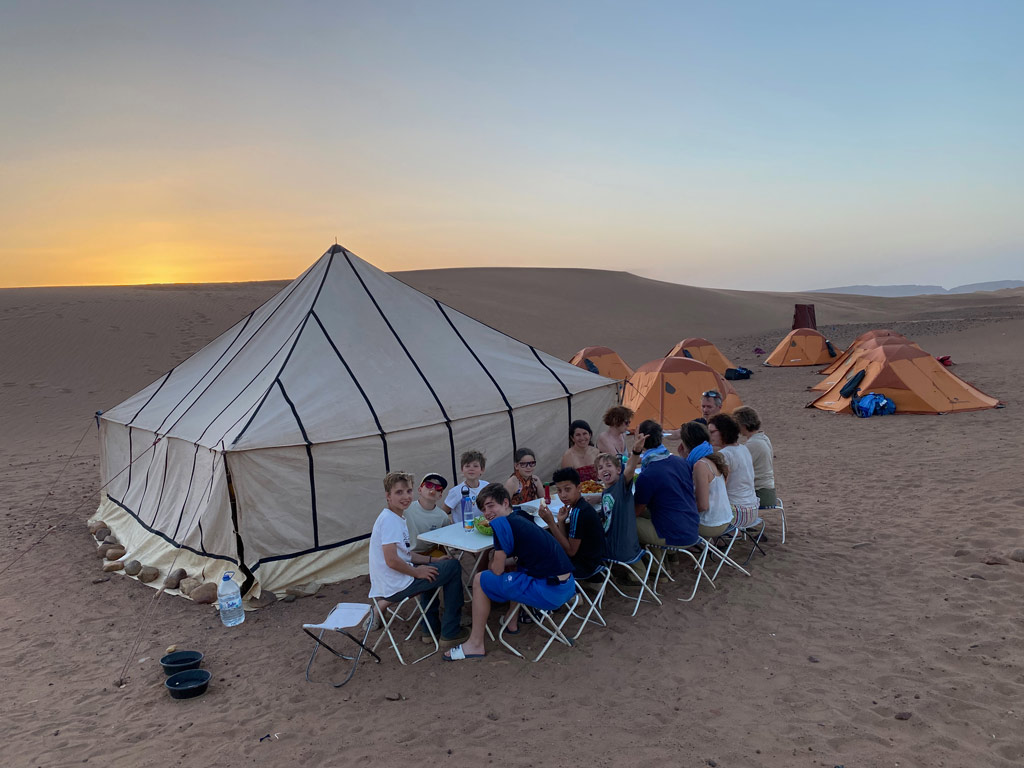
(447, 419)
(145, 485)
(325, 548)
(166, 538)
(128, 487)
(163, 483)
(366, 398)
(150, 398)
(184, 503)
(309, 458)
(298, 335)
(212, 366)
(237, 352)
(568, 394)
(508, 405)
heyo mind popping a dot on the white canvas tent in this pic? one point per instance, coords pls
(264, 452)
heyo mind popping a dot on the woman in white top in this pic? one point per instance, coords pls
(760, 448)
(725, 435)
(709, 473)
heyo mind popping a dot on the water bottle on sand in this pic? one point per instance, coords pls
(229, 596)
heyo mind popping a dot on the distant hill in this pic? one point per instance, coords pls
(919, 290)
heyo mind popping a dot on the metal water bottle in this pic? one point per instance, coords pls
(466, 510)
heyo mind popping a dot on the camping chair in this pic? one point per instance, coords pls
(754, 532)
(388, 614)
(645, 554)
(732, 534)
(604, 573)
(542, 619)
(341, 618)
(781, 509)
(699, 560)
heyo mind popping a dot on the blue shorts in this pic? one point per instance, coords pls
(517, 587)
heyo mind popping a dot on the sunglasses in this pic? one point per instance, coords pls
(432, 486)
(711, 393)
(527, 464)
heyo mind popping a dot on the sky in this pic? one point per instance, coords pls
(781, 145)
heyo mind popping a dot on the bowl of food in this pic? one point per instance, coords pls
(188, 684)
(482, 525)
(590, 486)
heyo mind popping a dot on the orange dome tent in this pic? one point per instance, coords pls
(804, 346)
(669, 391)
(851, 358)
(602, 361)
(914, 380)
(703, 350)
(878, 333)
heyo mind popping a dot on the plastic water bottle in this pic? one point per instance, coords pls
(466, 510)
(230, 598)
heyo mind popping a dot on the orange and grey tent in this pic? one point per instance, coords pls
(669, 391)
(878, 333)
(804, 346)
(703, 351)
(851, 358)
(914, 380)
(602, 361)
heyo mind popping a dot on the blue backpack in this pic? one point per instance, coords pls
(872, 404)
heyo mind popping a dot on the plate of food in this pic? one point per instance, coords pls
(531, 507)
(590, 486)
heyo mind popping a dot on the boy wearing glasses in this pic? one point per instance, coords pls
(424, 514)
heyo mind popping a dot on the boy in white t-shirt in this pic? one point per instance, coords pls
(472, 464)
(396, 572)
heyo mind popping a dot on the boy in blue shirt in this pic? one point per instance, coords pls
(542, 579)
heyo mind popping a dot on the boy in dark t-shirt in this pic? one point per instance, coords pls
(578, 528)
(542, 579)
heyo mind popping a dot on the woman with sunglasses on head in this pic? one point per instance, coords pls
(582, 452)
(524, 485)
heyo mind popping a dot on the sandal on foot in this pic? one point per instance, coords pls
(457, 654)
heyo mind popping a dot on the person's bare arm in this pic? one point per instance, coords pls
(512, 485)
(396, 563)
(640, 509)
(557, 529)
(702, 486)
(566, 460)
(634, 458)
(498, 560)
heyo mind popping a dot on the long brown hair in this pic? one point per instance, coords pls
(692, 434)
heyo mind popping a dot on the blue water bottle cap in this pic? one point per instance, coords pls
(227, 575)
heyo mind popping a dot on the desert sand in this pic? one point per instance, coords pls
(894, 592)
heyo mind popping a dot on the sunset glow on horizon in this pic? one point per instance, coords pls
(748, 145)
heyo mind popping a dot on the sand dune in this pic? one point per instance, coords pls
(894, 592)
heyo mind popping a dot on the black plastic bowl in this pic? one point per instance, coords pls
(179, 661)
(188, 684)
